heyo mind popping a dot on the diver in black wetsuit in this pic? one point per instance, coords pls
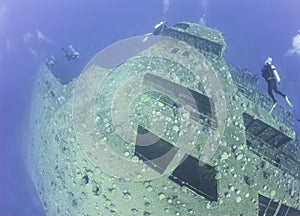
(73, 55)
(158, 29)
(50, 62)
(271, 76)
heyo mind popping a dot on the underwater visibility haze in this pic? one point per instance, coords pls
(149, 107)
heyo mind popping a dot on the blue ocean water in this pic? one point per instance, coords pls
(32, 30)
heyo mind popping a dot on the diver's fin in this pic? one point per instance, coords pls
(274, 105)
(146, 37)
(288, 101)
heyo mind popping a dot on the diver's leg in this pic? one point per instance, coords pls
(276, 90)
(270, 90)
(272, 108)
(288, 101)
(67, 56)
(283, 95)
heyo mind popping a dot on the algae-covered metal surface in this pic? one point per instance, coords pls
(169, 129)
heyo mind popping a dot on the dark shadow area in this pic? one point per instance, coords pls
(268, 207)
(158, 153)
(200, 179)
(201, 105)
(183, 95)
(153, 150)
(266, 132)
(66, 71)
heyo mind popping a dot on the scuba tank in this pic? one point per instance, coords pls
(71, 48)
(275, 73)
(75, 54)
(269, 70)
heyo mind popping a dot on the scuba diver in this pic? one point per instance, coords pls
(72, 55)
(271, 76)
(50, 62)
(158, 29)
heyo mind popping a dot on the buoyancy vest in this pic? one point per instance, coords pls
(269, 72)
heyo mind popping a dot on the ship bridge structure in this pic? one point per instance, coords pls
(171, 129)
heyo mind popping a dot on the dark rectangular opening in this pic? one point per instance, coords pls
(264, 131)
(186, 54)
(174, 50)
(268, 207)
(200, 179)
(292, 211)
(201, 104)
(150, 148)
(283, 209)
